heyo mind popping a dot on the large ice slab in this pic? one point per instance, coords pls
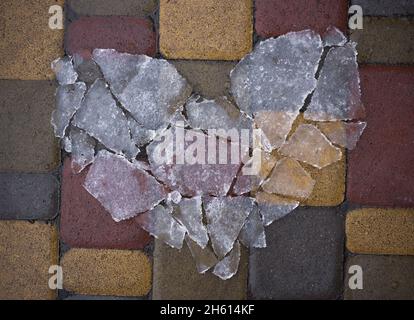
(273, 207)
(344, 134)
(228, 267)
(253, 233)
(64, 71)
(205, 258)
(82, 148)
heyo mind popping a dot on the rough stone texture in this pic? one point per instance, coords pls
(136, 8)
(380, 231)
(276, 17)
(385, 40)
(27, 142)
(206, 29)
(176, 278)
(27, 251)
(28, 196)
(384, 278)
(106, 272)
(210, 79)
(28, 45)
(386, 7)
(124, 34)
(303, 258)
(85, 223)
(380, 170)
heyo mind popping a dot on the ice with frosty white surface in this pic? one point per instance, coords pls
(333, 37)
(273, 207)
(205, 258)
(344, 134)
(253, 233)
(64, 71)
(82, 148)
(229, 266)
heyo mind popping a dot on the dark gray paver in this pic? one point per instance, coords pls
(386, 7)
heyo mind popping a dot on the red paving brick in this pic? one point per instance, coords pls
(125, 34)
(380, 169)
(276, 17)
(85, 223)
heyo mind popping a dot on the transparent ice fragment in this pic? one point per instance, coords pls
(68, 101)
(253, 233)
(189, 213)
(100, 117)
(344, 134)
(150, 89)
(289, 179)
(205, 258)
(337, 95)
(139, 134)
(174, 197)
(279, 74)
(64, 71)
(309, 145)
(273, 207)
(160, 224)
(88, 71)
(333, 37)
(83, 149)
(66, 144)
(124, 189)
(225, 219)
(227, 268)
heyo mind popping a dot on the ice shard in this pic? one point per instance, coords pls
(139, 134)
(83, 149)
(174, 197)
(64, 71)
(68, 101)
(273, 207)
(150, 89)
(333, 37)
(337, 95)
(205, 258)
(253, 233)
(123, 189)
(309, 145)
(344, 134)
(88, 71)
(290, 179)
(225, 219)
(228, 267)
(101, 118)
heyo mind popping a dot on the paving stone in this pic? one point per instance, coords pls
(136, 8)
(380, 170)
(27, 142)
(277, 17)
(106, 272)
(380, 231)
(84, 223)
(209, 79)
(384, 278)
(28, 196)
(386, 7)
(124, 34)
(99, 298)
(28, 45)
(385, 40)
(303, 258)
(27, 251)
(206, 29)
(176, 278)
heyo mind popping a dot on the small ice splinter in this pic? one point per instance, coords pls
(83, 149)
(205, 258)
(344, 134)
(253, 233)
(64, 71)
(228, 267)
(273, 207)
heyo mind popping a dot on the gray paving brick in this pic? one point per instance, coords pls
(386, 7)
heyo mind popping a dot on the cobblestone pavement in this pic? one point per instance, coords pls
(361, 212)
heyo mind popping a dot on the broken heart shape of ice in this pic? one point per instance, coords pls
(302, 92)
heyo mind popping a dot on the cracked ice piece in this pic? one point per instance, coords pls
(309, 145)
(253, 233)
(333, 37)
(342, 133)
(337, 95)
(139, 134)
(83, 149)
(227, 268)
(150, 89)
(289, 179)
(68, 101)
(205, 258)
(225, 219)
(101, 118)
(174, 197)
(160, 224)
(88, 71)
(64, 71)
(273, 207)
(121, 187)
(189, 213)
(279, 74)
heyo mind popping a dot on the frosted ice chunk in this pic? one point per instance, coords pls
(122, 188)
(66, 144)
(139, 134)
(150, 89)
(88, 71)
(273, 207)
(309, 145)
(205, 258)
(174, 197)
(68, 101)
(225, 219)
(343, 134)
(227, 268)
(101, 118)
(83, 149)
(279, 74)
(289, 179)
(253, 233)
(333, 37)
(337, 95)
(189, 213)
(64, 71)
(160, 224)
